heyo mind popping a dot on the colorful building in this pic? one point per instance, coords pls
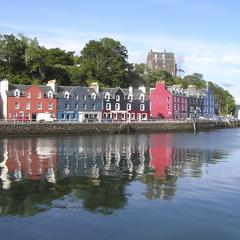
(24, 102)
(195, 102)
(79, 103)
(168, 102)
(209, 104)
(125, 104)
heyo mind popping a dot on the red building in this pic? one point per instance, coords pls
(168, 102)
(25, 102)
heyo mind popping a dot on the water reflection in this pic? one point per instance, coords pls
(93, 172)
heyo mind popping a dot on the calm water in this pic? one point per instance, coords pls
(156, 186)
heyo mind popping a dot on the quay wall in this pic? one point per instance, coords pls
(35, 129)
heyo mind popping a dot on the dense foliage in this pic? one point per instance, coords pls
(23, 60)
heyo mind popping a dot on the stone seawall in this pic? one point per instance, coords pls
(33, 129)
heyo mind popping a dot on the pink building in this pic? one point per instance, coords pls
(168, 102)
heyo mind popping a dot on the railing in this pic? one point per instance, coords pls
(110, 121)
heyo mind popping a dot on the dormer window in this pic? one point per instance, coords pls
(130, 97)
(50, 94)
(66, 95)
(117, 98)
(93, 96)
(16, 93)
(107, 96)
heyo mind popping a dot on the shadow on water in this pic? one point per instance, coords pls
(93, 172)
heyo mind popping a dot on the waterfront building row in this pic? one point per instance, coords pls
(24, 102)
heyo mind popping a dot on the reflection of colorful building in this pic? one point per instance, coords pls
(161, 153)
(31, 158)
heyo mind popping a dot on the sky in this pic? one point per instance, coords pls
(203, 34)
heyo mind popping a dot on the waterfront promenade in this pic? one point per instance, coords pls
(65, 128)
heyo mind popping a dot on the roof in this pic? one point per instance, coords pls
(22, 88)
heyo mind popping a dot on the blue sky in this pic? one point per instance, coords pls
(203, 34)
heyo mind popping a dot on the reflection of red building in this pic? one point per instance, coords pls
(161, 153)
(32, 158)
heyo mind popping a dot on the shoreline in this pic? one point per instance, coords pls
(59, 129)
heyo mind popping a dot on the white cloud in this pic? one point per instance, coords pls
(217, 61)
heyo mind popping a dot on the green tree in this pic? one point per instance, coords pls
(105, 61)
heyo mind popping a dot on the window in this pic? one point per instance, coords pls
(168, 107)
(39, 106)
(168, 99)
(21, 114)
(93, 106)
(117, 106)
(108, 106)
(66, 106)
(117, 98)
(39, 95)
(76, 106)
(128, 106)
(50, 94)
(76, 96)
(84, 106)
(17, 106)
(50, 106)
(133, 116)
(66, 95)
(107, 96)
(93, 96)
(16, 93)
(28, 106)
(28, 94)
(142, 97)
(14, 115)
(130, 97)
(27, 115)
(142, 107)
(84, 97)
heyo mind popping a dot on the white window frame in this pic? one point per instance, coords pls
(108, 106)
(93, 106)
(39, 106)
(39, 95)
(16, 93)
(129, 106)
(50, 106)
(117, 98)
(66, 95)
(84, 106)
(117, 106)
(28, 105)
(66, 105)
(17, 105)
(28, 95)
(142, 107)
(50, 94)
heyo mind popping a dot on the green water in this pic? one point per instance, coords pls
(148, 186)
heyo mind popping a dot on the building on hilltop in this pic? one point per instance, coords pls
(162, 61)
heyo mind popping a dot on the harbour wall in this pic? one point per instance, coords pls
(35, 129)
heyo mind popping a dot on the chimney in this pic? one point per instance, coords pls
(95, 87)
(53, 85)
(142, 88)
(130, 89)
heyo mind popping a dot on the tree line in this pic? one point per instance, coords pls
(24, 61)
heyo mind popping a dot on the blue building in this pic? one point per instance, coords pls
(77, 103)
(209, 105)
